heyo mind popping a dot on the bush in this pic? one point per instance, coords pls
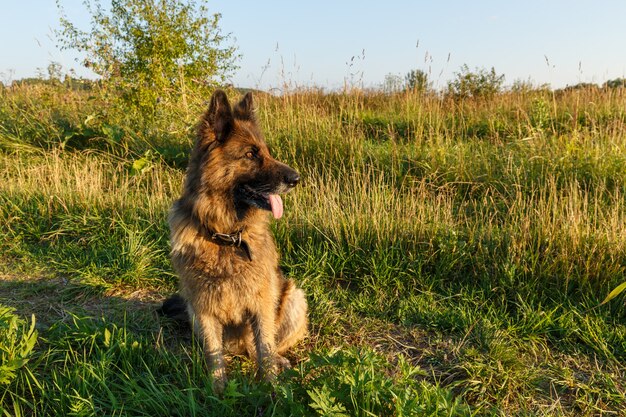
(151, 51)
(17, 340)
(616, 83)
(480, 83)
(16, 344)
(417, 80)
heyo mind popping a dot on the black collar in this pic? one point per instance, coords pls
(225, 239)
(229, 239)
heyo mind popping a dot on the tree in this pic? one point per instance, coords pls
(393, 83)
(616, 83)
(55, 72)
(151, 50)
(480, 83)
(416, 80)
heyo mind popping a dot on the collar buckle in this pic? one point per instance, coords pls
(230, 239)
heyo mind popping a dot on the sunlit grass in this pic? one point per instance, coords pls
(475, 237)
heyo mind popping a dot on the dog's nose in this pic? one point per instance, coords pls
(292, 178)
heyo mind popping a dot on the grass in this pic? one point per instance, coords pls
(453, 253)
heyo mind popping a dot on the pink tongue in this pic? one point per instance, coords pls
(277, 205)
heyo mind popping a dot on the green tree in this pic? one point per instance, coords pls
(151, 50)
(616, 83)
(55, 72)
(417, 80)
(393, 83)
(475, 84)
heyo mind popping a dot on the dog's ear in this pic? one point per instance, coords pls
(244, 110)
(219, 118)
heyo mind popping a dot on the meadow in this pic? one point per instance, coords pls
(454, 253)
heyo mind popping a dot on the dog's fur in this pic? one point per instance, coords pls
(235, 294)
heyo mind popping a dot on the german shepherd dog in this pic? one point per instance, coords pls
(231, 287)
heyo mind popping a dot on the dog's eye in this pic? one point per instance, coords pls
(252, 153)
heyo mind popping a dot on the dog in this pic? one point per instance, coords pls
(231, 287)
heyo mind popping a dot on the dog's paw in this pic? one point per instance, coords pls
(282, 363)
(219, 382)
(274, 367)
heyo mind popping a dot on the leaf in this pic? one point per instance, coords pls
(16, 344)
(88, 119)
(29, 339)
(617, 291)
(139, 165)
(142, 164)
(325, 403)
(113, 133)
(107, 337)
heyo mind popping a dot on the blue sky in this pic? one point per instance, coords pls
(312, 43)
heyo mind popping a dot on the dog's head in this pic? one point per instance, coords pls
(234, 159)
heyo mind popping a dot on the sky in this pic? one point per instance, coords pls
(330, 44)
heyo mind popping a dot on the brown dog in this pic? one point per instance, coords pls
(222, 248)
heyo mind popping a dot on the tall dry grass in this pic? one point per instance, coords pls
(500, 222)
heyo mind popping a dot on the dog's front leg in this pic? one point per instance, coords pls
(264, 330)
(212, 333)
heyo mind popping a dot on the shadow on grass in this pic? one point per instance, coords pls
(55, 301)
(108, 354)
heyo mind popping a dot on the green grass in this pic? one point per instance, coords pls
(453, 254)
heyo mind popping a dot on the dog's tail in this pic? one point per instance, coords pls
(174, 307)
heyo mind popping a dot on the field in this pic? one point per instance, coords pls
(454, 254)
